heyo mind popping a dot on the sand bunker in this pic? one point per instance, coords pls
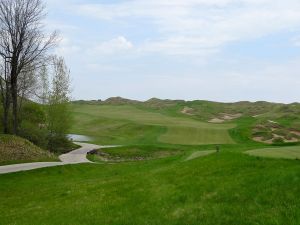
(216, 120)
(188, 111)
(274, 133)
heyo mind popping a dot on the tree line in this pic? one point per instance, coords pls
(34, 83)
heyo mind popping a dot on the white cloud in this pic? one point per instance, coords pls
(66, 48)
(58, 25)
(118, 44)
(296, 41)
(124, 47)
(194, 26)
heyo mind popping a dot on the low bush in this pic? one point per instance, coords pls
(281, 132)
(60, 144)
(278, 140)
(37, 135)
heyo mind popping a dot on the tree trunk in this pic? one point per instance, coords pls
(6, 106)
(5, 97)
(14, 95)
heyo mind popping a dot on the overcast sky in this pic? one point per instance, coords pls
(223, 50)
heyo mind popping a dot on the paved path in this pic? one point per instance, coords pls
(74, 157)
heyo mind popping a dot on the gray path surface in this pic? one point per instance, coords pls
(74, 157)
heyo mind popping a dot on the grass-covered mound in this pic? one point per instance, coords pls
(16, 150)
(292, 152)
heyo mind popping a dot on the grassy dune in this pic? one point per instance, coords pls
(130, 125)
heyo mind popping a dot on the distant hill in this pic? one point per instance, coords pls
(209, 110)
(120, 101)
(109, 101)
(261, 121)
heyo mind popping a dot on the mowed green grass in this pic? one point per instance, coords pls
(228, 188)
(198, 154)
(292, 152)
(130, 125)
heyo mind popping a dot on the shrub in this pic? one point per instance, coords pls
(266, 136)
(281, 132)
(33, 133)
(33, 124)
(288, 136)
(59, 144)
(278, 140)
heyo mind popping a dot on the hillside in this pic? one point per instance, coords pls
(207, 110)
(118, 116)
(15, 150)
(128, 124)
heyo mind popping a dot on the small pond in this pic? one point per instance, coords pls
(77, 137)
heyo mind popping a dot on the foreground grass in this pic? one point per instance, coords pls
(193, 185)
(228, 188)
(130, 125)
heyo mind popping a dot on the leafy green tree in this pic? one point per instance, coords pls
(59, 115)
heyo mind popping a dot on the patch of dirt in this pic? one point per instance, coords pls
(295, 132)
(106, 157)
(188, 111)
(261, 139)
(293, 140)
(216, 120)
(225, 117)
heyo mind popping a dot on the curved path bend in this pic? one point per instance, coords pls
(74, 157)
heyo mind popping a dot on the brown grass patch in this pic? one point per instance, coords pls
(14, 148)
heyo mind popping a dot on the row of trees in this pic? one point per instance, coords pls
(30, 74)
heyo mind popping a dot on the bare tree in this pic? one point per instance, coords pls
(60, 81)
(22, 41)
(27, 85)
